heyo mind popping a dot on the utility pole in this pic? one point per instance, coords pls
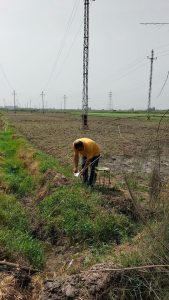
(64, 102)
(85, 66)
(110, 100)
(150, 83)
(42, 94)
(151, 67)
(14, 104)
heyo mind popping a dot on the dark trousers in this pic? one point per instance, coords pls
(90, 179)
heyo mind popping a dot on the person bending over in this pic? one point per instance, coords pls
(89, 150)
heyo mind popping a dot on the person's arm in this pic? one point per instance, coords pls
(76, 161)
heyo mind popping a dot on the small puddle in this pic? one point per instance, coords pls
(130, 164)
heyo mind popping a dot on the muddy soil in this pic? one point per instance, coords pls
(127, 145)
(144, 165)
(88, 285)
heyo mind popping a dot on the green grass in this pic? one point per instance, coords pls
(13, 172)
(141, 115)
(77, 213)
(12, 214)
(138, 181)
(19, 244)
(15, 233)
(72, 211)
(17, 178)
(117, 114)
(48, 162)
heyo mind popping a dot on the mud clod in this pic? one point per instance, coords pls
(85, 286)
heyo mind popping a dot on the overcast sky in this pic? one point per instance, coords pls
(41, 48)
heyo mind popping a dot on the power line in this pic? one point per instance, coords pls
(69, 51)
(164, 55)
(141, 84)
(162, 46)
(5, 77)
(129, 72)
(162, 51)
(131, 65)
(154, 23)
(163, 85)
(69, 23)
(123, 70)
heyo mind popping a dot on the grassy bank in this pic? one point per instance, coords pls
(42, 206)
(62, 207)
(16, 241)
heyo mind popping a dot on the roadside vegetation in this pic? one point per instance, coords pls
(16, 241)
(64, 209)
(43, 207)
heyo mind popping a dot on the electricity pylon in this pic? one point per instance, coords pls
(85, 66)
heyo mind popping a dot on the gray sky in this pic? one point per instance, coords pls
(41, 48)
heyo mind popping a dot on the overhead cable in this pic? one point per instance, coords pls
(69, 23)
(69, 50)
(163, 85)
(5, 77)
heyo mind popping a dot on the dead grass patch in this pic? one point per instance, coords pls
(10, 288)
(50, 180)
(32, 165)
